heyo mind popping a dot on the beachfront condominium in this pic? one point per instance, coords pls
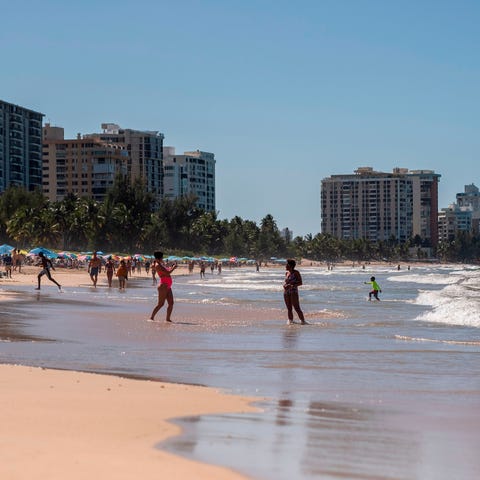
(380, 206)
(192, 173)
(145, 154)
(86, 167)
(462, 216)
(20, 147)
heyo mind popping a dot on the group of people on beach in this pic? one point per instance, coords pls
(122, 270)
(293, 280)
(12, 261)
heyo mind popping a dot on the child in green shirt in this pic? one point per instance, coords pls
(375, 289)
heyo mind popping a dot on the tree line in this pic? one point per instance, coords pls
(130, 221)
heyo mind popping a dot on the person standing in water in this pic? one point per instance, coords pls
(46, 266)
(375, 289)
(165, 286)
(110, 270)
(293, 280)
(122, 274)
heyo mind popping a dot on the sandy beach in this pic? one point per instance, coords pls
(62, 424)
(356, 394)
(58, 424)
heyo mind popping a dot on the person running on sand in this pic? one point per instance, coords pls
(46, 266)
(165, 286)
(293, 280)
(375, 289)
(94, 268)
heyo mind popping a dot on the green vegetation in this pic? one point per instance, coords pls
(129, 221)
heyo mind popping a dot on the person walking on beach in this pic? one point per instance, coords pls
(375, 289)
(94, 268)
(122, 274)
(165, 286)
(46, 266)
(293, 280)
(202, 269)
(8, 262)
(17, 259)
(110, 270)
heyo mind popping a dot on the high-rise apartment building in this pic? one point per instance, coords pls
(192, 173)
(20, 147)
(377, 206)
(470, 197)
(454, 219)
(145, 154)
(86, 167)
(462, 216)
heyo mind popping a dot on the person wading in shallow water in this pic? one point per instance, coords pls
(293, 280)
(165, 286)
(375, 289)
(46, 266)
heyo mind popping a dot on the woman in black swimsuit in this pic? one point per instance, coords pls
(293, 280)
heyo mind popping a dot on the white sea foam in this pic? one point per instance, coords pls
(430, 278)
(455, 304)
(435, 340)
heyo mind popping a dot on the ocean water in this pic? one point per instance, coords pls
(368, 390)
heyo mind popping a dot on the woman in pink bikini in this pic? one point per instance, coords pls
(165, 286)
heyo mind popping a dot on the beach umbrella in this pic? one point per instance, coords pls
(67, 255)
(48, 253)
(4, 249)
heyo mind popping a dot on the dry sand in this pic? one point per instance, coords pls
(70, 425)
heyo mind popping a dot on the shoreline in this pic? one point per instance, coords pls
(73, 424)
(219, 339)
(65, 424)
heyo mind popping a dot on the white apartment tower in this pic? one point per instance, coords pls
(192, 173)
(464, 215)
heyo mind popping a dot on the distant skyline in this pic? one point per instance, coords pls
(284, 94)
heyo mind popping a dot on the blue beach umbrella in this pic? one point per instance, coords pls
(173, 258)
(4, 249)
(48, 253)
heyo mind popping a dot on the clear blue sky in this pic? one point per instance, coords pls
(284, 93)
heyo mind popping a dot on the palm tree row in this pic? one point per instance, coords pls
(128, 220)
